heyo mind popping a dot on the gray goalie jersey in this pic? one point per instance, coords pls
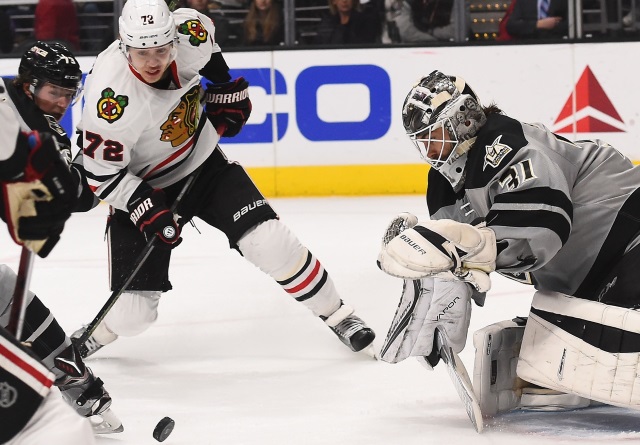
(563, 212)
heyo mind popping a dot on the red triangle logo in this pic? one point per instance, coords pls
(588, 93)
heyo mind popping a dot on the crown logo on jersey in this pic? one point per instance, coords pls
(111, 107)
(496, 152)
(195, 30)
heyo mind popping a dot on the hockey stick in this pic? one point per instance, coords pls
(144, 254)
(19, 308)
(460, 379)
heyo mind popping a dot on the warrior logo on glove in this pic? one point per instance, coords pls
(228, 106)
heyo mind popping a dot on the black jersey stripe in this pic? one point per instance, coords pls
(316, 288)
(111, 187)
(606, 338)
(300, 272)
(531, 218)
(538, 196)
(623, 230)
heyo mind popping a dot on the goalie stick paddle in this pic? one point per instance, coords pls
(460, 378)
(144, 254)
(18, 308)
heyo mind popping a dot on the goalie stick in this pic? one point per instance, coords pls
(460, 379)
(18, 308)
(144, 254)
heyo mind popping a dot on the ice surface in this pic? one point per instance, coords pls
(233, 360)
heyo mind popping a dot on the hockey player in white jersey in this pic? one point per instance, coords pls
(35, 201)
(515, 198)
(147, 125)
(49, 79)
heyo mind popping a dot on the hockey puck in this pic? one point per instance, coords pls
(163, 429)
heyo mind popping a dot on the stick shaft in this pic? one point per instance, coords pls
(19, 308)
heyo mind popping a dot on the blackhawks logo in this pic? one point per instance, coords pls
(110, 106)
(195, 30)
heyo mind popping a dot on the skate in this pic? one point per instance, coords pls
(86, 394)
(350, 329)
(92, 344)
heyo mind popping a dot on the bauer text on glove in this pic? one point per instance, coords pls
(445, 248)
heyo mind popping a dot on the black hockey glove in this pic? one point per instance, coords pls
(37, 203)
(150, 214)
(228, 106)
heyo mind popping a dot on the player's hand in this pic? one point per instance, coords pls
(228, 106)
(150, 214)
(38, 202)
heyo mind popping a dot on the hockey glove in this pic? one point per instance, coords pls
(228, 106)
(443, 248)
(150, 214)
(38, 202)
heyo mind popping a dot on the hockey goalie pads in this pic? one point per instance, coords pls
(455, 250)
(425, 305)
(582, 347)
(495, 381)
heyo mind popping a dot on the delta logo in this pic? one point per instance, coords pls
(588, 109)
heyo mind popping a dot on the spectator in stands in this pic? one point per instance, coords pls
(538, 19)
(221, 23)
(6, 32)
(346, 23)
(503, 34)
(56, 20)
(413, 21)
(263, 24)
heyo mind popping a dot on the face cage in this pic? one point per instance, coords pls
(422, 143)
(37, 84)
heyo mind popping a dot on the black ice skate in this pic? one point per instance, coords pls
(86, 393)
(350, 329)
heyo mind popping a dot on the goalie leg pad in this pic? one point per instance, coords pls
(582, 347)
(495, 381)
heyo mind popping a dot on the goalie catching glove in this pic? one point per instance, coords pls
(228, 106)
(443, 248)
(150, 214)
(38, 201)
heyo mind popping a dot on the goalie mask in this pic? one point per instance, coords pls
(441, 116)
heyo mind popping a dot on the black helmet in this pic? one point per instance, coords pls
(51, 62)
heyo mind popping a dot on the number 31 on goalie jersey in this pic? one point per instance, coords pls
(111, 152)
(517, 174)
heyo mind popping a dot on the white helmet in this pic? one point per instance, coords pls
(146, 24)
(445, 101)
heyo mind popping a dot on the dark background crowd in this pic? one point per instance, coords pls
(87, 26)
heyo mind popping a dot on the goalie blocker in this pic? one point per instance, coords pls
(571, 352)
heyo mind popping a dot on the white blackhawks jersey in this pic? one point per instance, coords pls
(133, 132)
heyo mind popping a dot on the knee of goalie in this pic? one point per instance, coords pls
(582, 347)
(495, 381)
(133, 313)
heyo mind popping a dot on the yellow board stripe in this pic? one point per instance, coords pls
(341, 180)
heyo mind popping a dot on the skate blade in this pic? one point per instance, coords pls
(106, 423)
(370, 352)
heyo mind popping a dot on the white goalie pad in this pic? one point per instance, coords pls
(495, 381)
(425, 305)
(582, 347)
(461, 251)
